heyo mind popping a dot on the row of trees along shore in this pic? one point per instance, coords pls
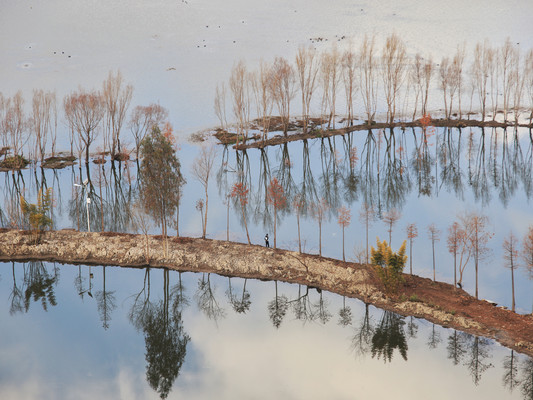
(496, 79)
(87, 114)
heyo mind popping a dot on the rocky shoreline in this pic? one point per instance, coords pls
(437, 302)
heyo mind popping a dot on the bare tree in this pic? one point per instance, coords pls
(494, 71)
(518, 80)
(393, 63)
(116, 97)
(283, 89)
(508, 59)
(415, 74)
(475, 239)
(298, 205)
(367, 215)
(528, 78)
(368, 85)
(412, 232)
(511, 251)
(143, 119)
(390, 218)
(479, 71)
(14, 123)
(329, 78)
(319, 210)
(349, 70)
(457, 70)
(201, 170)
(527, 253)
(445, 71)
(263, 95)
(427, 75)
(239, 86)
(84, 111)
(344, 220)
(43, 120)
(453, 240)
(220, 105)
(434, 236)
(306, 70)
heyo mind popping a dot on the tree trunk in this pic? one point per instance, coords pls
(298, 223)
(275, 221)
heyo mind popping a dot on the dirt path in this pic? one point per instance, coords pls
(437, 302)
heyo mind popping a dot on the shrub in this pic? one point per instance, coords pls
(37, 215)
(389, 265)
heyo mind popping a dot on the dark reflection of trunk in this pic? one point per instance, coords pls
(323, 314)
(106, 302)
(369, 185)
(331, 177)
(450, 160)
(206, 300)
(351, 178)
(421, 163)
(510, 368)
(362, 338)
(345, 314)
(308, 192)
(79, 282)
(39, 284)
(526, 378)
(396, 183)
(457, 347)
(239, 301)
(389, 335)
(166, 342)
(16, 297)
(434, 338)
(142, 305)
(412, 328)
(478, 175)
(277, 308)
(261, 209)
(476, 357)
(301, 306)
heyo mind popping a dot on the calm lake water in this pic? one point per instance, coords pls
(137, 335)
(76, 332)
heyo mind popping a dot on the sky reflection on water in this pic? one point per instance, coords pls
(66, 352)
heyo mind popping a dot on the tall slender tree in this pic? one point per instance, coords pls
(160, 175)
(344, 220)
(412, 233)
(202, 168)
(511, 252)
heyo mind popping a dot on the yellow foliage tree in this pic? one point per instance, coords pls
(38, 214)
(389, 265)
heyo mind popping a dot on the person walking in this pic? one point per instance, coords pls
(267, 244)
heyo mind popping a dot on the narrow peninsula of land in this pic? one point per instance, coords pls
(437, 302)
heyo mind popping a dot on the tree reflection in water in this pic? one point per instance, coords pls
(166, 340)
(277, 308)
(389, 335)
(239, 302)
(206, 300)
(161, 323)
(39, 285)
